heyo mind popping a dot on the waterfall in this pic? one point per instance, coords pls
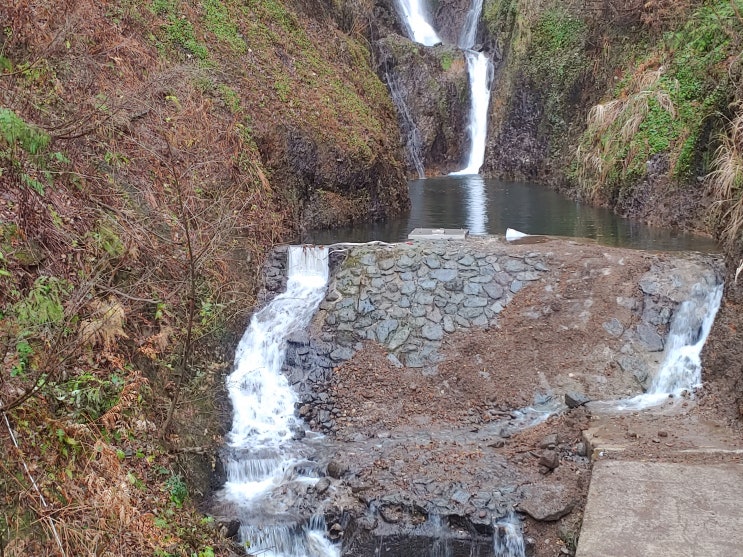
(507, 538)
(413, 136)
(469, 29)
(681, 368)
(416, 22)
(480, 70)
(691, 324)
(262, 461)
(438, 531)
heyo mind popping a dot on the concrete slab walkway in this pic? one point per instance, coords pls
(651, 509)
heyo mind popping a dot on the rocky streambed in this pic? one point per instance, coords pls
(451, 379)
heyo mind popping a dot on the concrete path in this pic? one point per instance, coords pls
(650, 509)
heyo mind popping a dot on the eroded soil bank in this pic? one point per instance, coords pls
(451, 380)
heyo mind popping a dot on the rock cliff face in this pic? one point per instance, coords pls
(429, 85)
(432, 84)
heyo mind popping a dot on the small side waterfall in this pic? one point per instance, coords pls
(412, 135)
(262, 461)
(681, 368)
(415, 17)
(507, 538)
(692, 322)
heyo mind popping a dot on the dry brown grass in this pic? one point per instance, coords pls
(597, 157)
(132, 124)
(727, 178)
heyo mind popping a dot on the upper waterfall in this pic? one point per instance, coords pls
(416, 22)
(469, 29)
(480, 70)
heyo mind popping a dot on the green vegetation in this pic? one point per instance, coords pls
(24, 152)
(230, 97)
(666, 104)
(16, 133)
(447, 59)
(556, 61)
(219, 21)
(136, 208)
(178, 30)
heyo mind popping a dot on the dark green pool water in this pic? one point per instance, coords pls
(486, 206)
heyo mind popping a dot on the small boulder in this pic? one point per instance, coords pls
(549, 459)
(336, 469)
(549, 442)
(546, 503)
(574, 399)
(322, 485)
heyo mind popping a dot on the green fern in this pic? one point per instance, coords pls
(15, 132)
(44, 303)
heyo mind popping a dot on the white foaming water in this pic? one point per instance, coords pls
(469, 29)
(438, 531)
(479, 69)
(262, 456)
(480, 72)
(415, 17)
(691, 325)
(681, 369)
(508, 540)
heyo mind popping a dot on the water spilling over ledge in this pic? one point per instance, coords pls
(415, 19)
(508, 540)
(263, 459)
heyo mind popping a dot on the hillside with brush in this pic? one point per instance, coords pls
(150, 154)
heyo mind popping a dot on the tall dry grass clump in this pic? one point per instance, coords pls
(727, 178)
(601, 151)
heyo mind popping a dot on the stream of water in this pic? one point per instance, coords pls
(681, 368)
(262, 459)
(267, 469)
(479, 69)
(508, 540)
(480, 72)
(415, 18)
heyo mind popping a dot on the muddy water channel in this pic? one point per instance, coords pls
(487, 206)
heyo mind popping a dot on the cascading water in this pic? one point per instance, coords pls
(469, 29)
(262, 461)
(480, 71)
(416, 22)
(681, 369)
(507, 538)
(682, 366)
